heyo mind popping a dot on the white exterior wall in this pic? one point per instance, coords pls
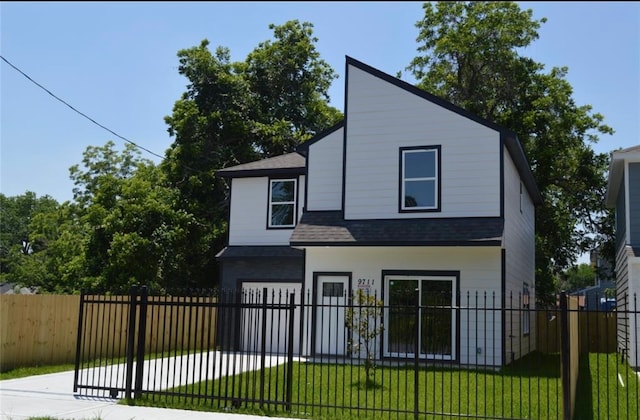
(325, 173)
(381, 119)
(479, 268)
(249, 209)
(519, 243)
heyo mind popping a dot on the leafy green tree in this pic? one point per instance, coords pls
(363, 318)
(133, 230)
(289, 83)
(470, 53)
(57, 262)
(16, 215)
(578, 277)
(236, 112)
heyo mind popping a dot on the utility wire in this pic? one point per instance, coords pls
(81, 113)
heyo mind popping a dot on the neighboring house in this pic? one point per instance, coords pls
(623, 194)
(596, 297)
(409, 197)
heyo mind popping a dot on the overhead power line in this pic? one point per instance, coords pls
(79, 112)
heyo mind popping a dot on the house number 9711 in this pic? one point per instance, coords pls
(366, 282)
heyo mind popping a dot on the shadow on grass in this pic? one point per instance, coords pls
(584, 393)
(534, 364)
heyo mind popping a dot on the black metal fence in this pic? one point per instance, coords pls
(352, 355)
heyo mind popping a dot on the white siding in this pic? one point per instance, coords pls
(519, 243)
(381, 119)
(325, 173)
(480, 271)
(248, 216)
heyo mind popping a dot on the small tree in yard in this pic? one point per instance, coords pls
(363, 318)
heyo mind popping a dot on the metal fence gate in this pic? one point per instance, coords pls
(142, 344)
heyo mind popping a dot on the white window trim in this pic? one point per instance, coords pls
(433, 178)
(272, 203)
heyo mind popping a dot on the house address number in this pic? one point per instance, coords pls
(366, 283)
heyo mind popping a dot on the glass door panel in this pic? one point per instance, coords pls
(403, 297)
(436, 318)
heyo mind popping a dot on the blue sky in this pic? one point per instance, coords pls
(117, 63)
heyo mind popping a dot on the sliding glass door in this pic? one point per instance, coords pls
(420, 316)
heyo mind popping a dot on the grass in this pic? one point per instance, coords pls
(527, 389)
(22, 372)
(601, 393)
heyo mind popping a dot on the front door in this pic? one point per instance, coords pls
(332, 292)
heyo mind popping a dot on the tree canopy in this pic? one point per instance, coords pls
(472, 54)
(236, 112)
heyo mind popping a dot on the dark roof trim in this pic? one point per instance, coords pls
(304, 147)
(509, 137)
(495, 242)
(522, 165)
(248, 173)
(245, 252)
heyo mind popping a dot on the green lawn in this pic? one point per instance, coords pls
(22, 372)
(528, 389)
(607, 389)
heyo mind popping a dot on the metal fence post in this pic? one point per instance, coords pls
(78, 343)
(133, 297)
(416, 364)
(292, 308)
(565, 357)
(142, 330)
(263, 344)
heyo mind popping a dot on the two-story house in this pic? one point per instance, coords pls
(411, 198)
(623, 194)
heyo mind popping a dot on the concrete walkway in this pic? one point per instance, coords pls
(52, 395)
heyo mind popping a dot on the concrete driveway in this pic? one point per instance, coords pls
(52, 395)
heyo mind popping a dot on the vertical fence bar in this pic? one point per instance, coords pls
(565, 357)
(78, 343)
(263, 344)
(131, 336)
(289, 393)
(416, 364)
(142, 329)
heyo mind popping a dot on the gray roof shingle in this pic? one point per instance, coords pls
(329, 228)
(290, 163)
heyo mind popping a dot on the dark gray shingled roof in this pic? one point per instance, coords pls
(329, 228)
(290, 164)
(259, 252)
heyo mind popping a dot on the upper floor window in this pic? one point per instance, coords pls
(282, 203)
(420, 178)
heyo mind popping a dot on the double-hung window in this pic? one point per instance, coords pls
(420, 178)
(282, 203)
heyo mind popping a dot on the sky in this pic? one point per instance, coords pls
(116, 62)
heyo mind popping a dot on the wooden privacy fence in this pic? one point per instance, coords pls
(42, 329)
(597, 331)
(168, 327)
(37, 330)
